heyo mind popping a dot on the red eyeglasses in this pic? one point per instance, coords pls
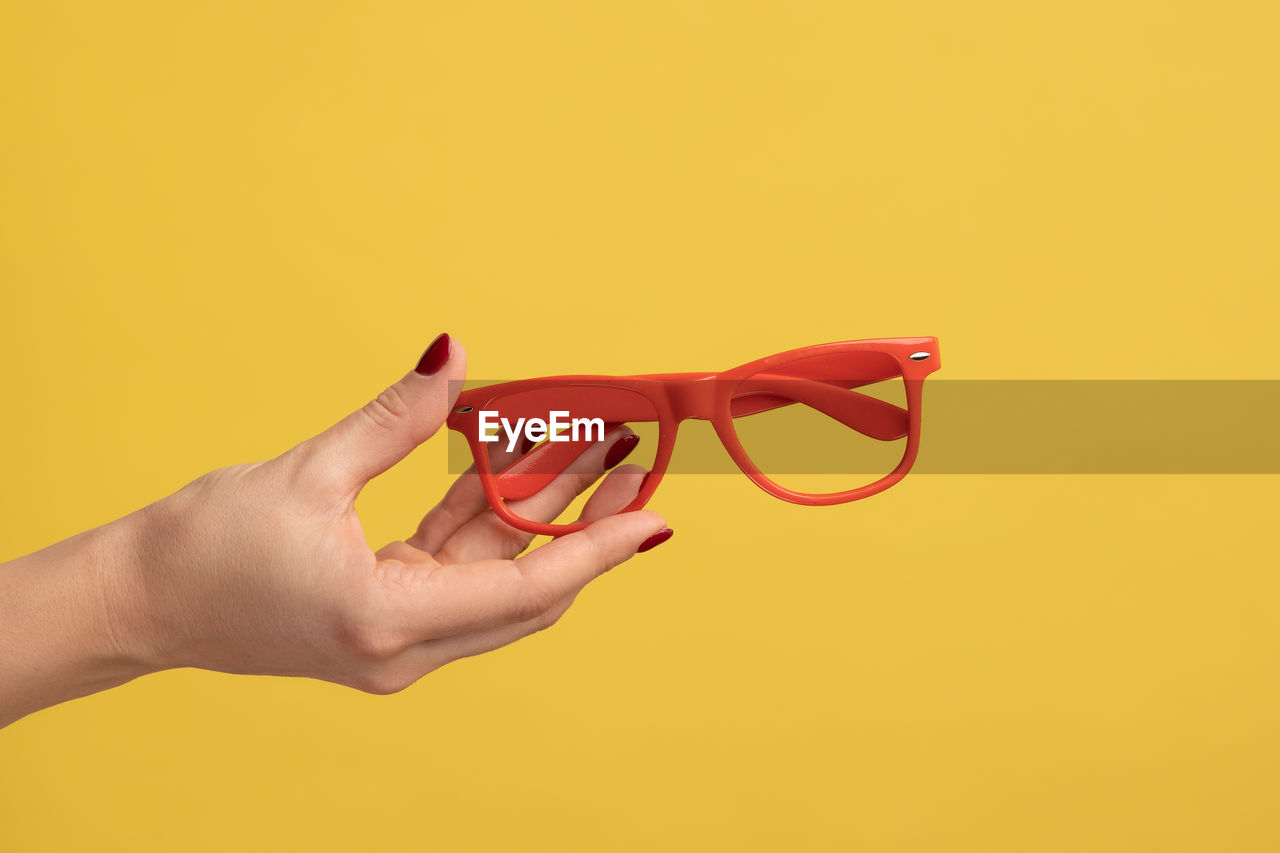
(791, 422)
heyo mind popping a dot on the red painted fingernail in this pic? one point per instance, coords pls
(655, 540)
(435, 356)
(621, 450)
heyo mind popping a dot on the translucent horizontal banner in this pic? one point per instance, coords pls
(969, 427)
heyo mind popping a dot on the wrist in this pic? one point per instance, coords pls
(123, 625)
(72, 620)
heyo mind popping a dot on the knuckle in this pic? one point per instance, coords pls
(596, 554)
(509, 541)
(306, 466)
(514, 544)
(367, 641)
(524, 609)
(533, 603)
(381, 682)
(547, 619)
(388, 410)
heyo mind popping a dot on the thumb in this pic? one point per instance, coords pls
(383, 431)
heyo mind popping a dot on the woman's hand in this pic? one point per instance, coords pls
(264, 568)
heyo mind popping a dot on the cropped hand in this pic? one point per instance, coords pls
(264, 568)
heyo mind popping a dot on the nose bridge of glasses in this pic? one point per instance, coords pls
(692, 397)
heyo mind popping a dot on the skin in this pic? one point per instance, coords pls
(264, 569)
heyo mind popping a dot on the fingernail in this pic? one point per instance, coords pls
(655, 540)
(435, 356)
(620, 450)
(526, 444)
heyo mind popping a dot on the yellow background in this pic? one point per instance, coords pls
(223, 225)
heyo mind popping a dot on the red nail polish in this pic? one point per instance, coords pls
(655, 540)
(620, 450)
(526, 444)
(435, 356)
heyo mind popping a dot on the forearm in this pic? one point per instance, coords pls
(68, 618)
